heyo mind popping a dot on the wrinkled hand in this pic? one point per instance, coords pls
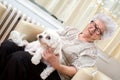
(50, 57)
(53, 59)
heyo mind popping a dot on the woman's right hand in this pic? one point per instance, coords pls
(51, 58)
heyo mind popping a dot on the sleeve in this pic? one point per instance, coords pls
(86, 59)
(66, 30)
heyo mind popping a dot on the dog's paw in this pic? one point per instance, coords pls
(43, 76)
(35, 60)
(20, 44)
(25, 42)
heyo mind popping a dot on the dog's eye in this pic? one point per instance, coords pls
(48, 37)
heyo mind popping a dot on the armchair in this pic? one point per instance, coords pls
(32, 30)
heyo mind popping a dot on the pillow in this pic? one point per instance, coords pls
(101, 76)
(83, 74)
(29, 29)
(2, 10)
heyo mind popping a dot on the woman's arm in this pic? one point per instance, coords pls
(54, 61)
(67, 70)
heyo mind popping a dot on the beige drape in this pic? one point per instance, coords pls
(78, 13)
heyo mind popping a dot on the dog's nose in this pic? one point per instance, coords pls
(40, 36)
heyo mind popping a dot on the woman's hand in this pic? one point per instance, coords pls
(51, 58)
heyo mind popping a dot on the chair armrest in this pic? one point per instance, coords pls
(84, 74)
(90, 74)
(29, 29)
(101, 76)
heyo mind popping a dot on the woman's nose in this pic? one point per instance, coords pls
(92, 30)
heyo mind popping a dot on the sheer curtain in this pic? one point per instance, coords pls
(77, 13)
(73, 12)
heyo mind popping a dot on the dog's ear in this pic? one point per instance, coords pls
(58, 49)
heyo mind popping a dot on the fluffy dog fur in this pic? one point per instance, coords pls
(48, 38)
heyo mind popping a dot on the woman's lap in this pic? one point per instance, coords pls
(7, 48)
(19, 66)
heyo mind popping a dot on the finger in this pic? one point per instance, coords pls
(44, 56)
(50, 50)
(45, 52)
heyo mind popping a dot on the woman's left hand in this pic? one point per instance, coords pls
(50, 57)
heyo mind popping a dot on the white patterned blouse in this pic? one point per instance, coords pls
(76, 52)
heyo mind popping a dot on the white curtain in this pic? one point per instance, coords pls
(74, 13)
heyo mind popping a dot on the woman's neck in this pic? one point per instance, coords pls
(84, 38)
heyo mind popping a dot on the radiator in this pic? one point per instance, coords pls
(10, 19)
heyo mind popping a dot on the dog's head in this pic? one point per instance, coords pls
(51, 39)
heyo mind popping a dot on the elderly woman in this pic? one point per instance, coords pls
(79, 51)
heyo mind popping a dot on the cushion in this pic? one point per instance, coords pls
(101, 76)
(90, 74)
(2, 10)
(84, 74)
(29, 29)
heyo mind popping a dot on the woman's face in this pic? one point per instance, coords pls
(95, 30)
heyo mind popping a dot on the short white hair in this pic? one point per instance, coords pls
(109, 23)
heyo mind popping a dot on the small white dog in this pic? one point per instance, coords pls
(48, 38)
